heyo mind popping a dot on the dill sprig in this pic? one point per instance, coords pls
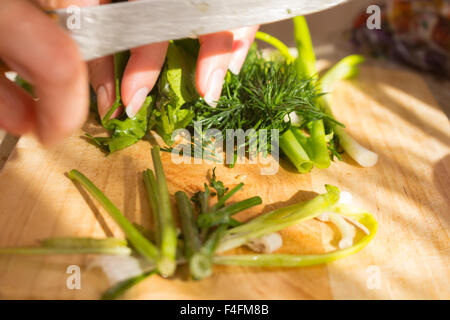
(261, 97)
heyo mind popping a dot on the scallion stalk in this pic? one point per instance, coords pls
(278, 219)
(221, 202)
(166, 263)
(200, 265)
(345, 69)
(306, 59)
(192, 243)
(295, 152)
(293, 260)
(119, 289)
(223, 215)
(67, 245)
(321, 156)
(150, 187)
(280, 46)
(147, 249)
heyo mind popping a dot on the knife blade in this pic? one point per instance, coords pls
(106, 29)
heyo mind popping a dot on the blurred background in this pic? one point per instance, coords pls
(325, 26)
(414, 35)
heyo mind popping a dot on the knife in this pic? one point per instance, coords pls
(106, 29)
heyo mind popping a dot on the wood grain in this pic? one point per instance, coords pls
(392, 112)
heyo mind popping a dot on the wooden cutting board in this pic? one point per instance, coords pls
(391, 112)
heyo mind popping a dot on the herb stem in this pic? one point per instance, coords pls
(166, 262)
(222, 215)
(150, 187)
(293, 260)
(306, 59)
(119, 250)
(321, 156)
(191, 236)
(119, 289)
(345, 69)
(147, 249)
(221, 202)
(295, 152)
(280, 46)
(278, 219)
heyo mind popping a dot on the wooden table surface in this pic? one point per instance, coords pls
(390, 111)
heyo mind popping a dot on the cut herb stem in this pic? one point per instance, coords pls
(191, 236)
(150, 187)
(168, 249)
(223, 215)
(278, 219)
(293, 260)
(280, 46)
(147, 249)
(295, 152)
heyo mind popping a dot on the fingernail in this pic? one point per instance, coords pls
(215, 82)
(238, 57)
(136, 102)
(102, 101)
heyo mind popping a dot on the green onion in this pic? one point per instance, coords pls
(57, 251)
(295, 152)
(227, 196)
(200, 265)
(68, 245)
(293, 260)
(150, 187)
(306, 59)
(345, 69)
(119, 289)
(222, 215)
(190, 232)
(120, 62)
(278, 219)
(139, 242)
(321, 156)
(69, 242)
(282, 48)
(304, 141)
(166, 262)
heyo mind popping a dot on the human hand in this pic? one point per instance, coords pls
(44, 55)
(218, 53)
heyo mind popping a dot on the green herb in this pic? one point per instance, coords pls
(282, 48)
(278, 219)
(223, 215)
(125, 131)
(345, 69)
(222, 233)
(21, 82)
(176, 86)
(202, 261)
(191, 235)
(201, 199)
(139, 242)
(306, 58)
(261, 97)
(74, 246)
(167, 231)
(293, 260)
(217, 185)
(119, 289)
